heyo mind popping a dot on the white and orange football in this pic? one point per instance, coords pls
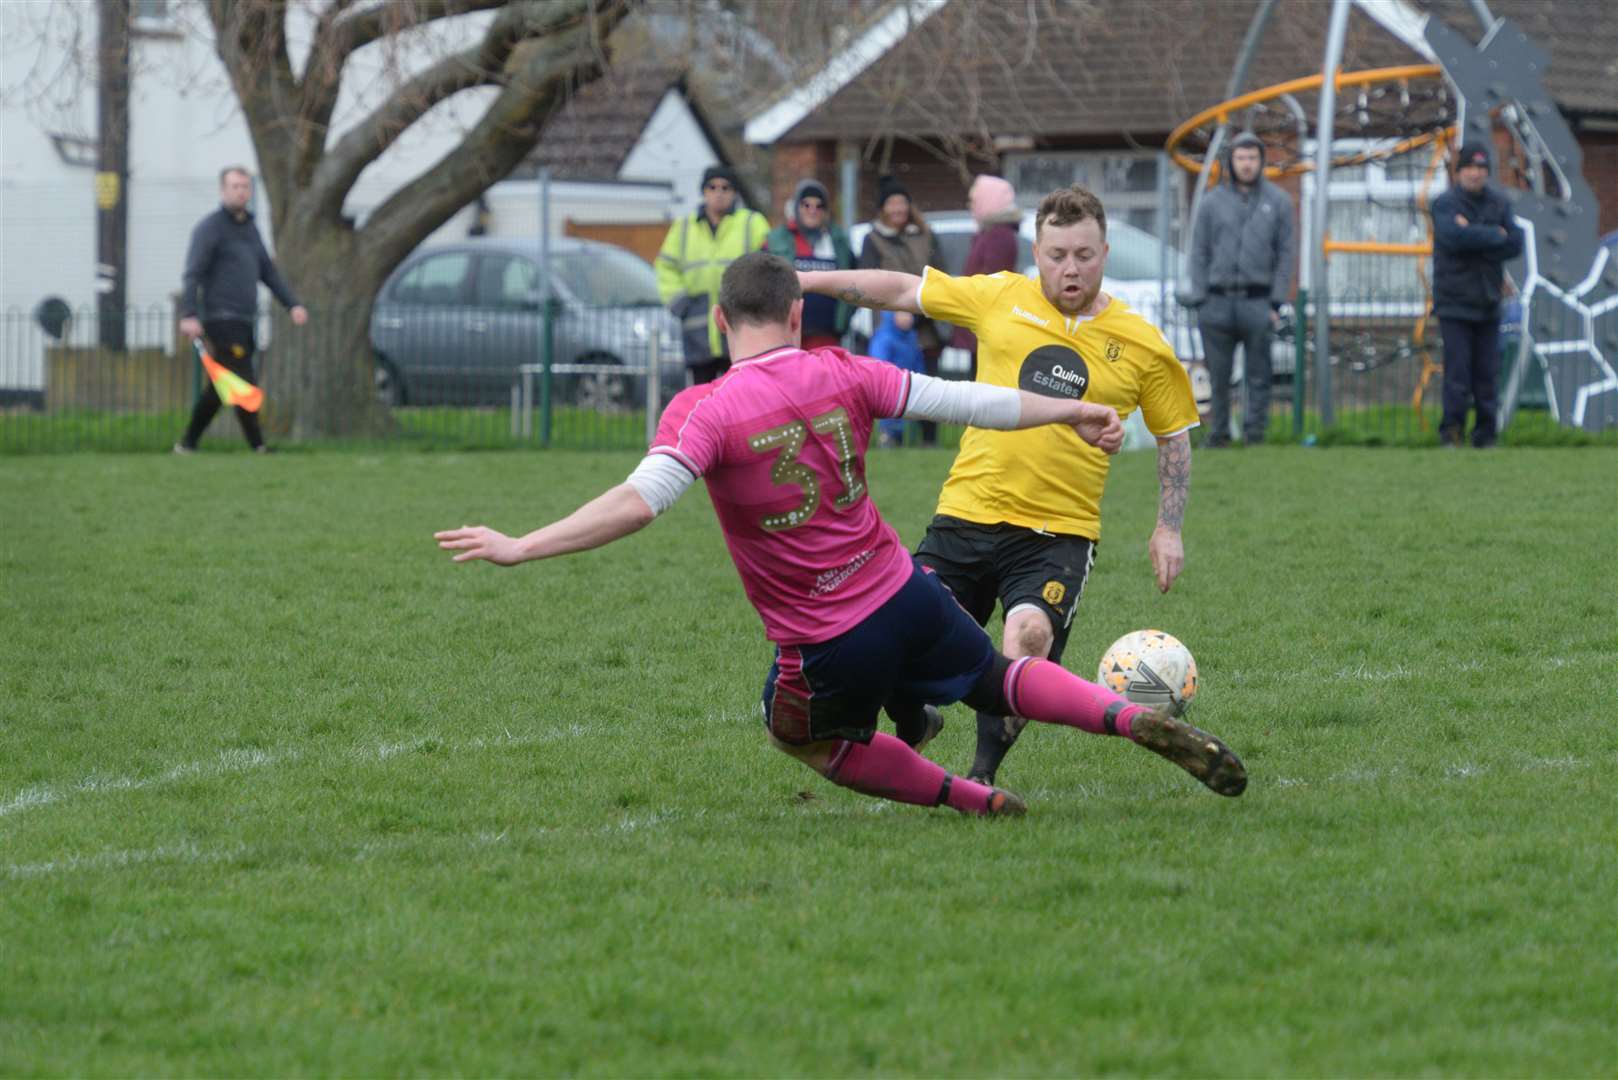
(1150, 667)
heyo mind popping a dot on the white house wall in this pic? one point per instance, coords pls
(672, 147)
(514, 205)
(184, 127)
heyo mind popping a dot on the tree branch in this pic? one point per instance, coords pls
(482, 64)
(250, 38)
(538, 75)
(336, 38)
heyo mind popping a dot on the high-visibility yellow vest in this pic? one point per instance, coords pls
(694, 258)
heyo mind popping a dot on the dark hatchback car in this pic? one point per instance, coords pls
(456, 323)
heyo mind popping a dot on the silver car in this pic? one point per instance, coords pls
(457, 324)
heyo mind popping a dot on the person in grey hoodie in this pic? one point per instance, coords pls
(1241, 275)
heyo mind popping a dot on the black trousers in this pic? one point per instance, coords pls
(1471, 360)
(231, 344)
(929, 366)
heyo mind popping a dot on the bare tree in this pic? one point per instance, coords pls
(535, 52)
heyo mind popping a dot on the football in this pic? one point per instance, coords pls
(1150, 667)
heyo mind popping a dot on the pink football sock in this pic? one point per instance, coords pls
(1041, 690)
(887, 768)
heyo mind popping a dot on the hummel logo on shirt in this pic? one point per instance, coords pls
(1030, 316)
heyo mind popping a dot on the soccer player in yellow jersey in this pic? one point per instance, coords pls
(1019, 518)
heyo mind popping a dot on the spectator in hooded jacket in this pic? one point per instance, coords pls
(895, 341)
(1473, 235)
(900, 240)
(1241, 276)
(993, 203)
(809, 241)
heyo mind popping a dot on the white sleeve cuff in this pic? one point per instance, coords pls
(976, 404)
(660, 480)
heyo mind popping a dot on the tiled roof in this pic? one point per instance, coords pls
(1581, 37)
(593, 134)
(1125, 66)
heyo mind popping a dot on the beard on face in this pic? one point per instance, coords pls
(1073, 303)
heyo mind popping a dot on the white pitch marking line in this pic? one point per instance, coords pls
(228, 762)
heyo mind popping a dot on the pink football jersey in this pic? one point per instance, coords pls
(780, 440)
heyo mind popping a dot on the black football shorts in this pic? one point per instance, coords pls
(1015, 565)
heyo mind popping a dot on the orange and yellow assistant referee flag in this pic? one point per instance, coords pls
(231, 387)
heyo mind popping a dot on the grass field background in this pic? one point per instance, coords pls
(283, 792)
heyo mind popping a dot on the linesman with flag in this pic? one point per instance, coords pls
(219, 304)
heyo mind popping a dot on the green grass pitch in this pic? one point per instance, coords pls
(284, 792)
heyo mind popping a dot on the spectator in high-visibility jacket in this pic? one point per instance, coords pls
(694, 256)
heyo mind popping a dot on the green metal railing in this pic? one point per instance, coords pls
(599, 379)
(587, 379)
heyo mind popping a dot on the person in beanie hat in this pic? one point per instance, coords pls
(1241, 275)
(900, 240)
(1473, 236)
(695, 253)
(809, 241)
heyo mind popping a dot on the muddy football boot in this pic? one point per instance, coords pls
(1003, 803)
(1194, 750)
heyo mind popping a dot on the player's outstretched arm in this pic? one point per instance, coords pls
(608, 517)
(888, 289)
(1004, 409)
(1097, 425)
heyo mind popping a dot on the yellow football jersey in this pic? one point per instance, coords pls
(1048, 478)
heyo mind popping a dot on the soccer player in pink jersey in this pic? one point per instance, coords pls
(780, 441)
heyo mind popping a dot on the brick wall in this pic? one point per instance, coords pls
(933, 184)
(797, 161)
(1601, 171)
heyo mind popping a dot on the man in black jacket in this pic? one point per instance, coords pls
(225, 263)
(1473, 235)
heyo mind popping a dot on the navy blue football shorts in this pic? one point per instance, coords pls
(920, 644)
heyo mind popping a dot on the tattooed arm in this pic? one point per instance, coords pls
(1173, 489)
(886, 289)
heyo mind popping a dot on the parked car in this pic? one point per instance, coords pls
(456, 323)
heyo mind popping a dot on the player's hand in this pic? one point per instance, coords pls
(1168, 556)
(300, 315)
(480, 542)
(191, 327)
(1099, 426)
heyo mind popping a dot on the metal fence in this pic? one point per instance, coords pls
(598, 379)
(1383, 379)
(452, 378)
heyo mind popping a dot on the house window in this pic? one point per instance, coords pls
(1378, 201)
(1125, 181)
